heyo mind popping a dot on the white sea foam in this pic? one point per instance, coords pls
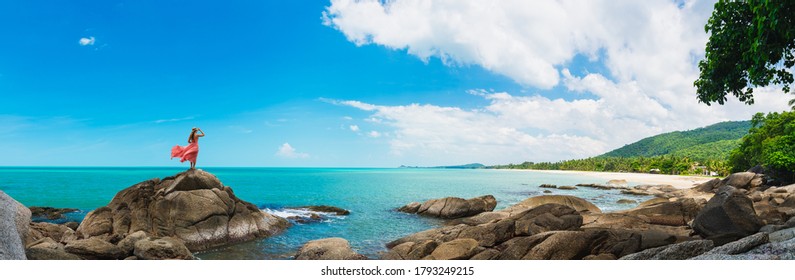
(293, 213)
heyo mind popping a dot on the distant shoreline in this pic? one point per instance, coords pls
(678, 181)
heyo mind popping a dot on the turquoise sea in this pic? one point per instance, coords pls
(371, 194)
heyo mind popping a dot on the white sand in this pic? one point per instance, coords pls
(681, 182)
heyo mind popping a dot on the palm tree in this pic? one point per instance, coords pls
(791, 103)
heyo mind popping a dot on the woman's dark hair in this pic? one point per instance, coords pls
(190, 138)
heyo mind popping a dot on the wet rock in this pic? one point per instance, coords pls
(626, 201)
(567, 188)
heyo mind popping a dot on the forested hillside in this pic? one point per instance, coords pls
(712, 142)
(700, 151)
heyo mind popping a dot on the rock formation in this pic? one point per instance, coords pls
(192, 206)
(452, 207)
(157, 219)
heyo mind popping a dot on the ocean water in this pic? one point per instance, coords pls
(370, 194)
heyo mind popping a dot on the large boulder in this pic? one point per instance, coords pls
(669, 213)
(14, 220)
(193, 206)
(328, 249)
(740, 180)
(547, 217)
(577, 203)
(576, 245)
(452, 207)
(727, 217)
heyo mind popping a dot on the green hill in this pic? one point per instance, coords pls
(712, 142)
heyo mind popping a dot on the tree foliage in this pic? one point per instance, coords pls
(667, 164)
(751, 45)
(771, 143)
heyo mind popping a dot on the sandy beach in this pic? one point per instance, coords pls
(681, 182)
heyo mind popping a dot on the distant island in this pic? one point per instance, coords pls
(464, 166)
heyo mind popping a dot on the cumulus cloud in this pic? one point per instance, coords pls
(287, 151)
(374, 134)
(87, 41)
(530, 41)
(647, 52)
(354, 128)
(530, 128)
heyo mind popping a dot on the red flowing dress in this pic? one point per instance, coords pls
(189, 152)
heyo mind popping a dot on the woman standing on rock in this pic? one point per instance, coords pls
(191, 151)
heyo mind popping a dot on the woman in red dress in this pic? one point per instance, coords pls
(191, 151)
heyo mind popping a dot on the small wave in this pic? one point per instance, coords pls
(303, 214)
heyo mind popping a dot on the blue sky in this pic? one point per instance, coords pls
(340, 83)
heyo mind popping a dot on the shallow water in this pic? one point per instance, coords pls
(370, 194)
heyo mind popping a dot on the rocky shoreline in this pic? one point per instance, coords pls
(738, 217)
(735, 218)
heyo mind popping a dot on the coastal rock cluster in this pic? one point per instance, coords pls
(156, 219)
(738, 217)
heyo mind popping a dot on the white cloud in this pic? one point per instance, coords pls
(287, 151)
(374, 134)
(87, 41)
(531, 41)
(649, 51)
(354, 127)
